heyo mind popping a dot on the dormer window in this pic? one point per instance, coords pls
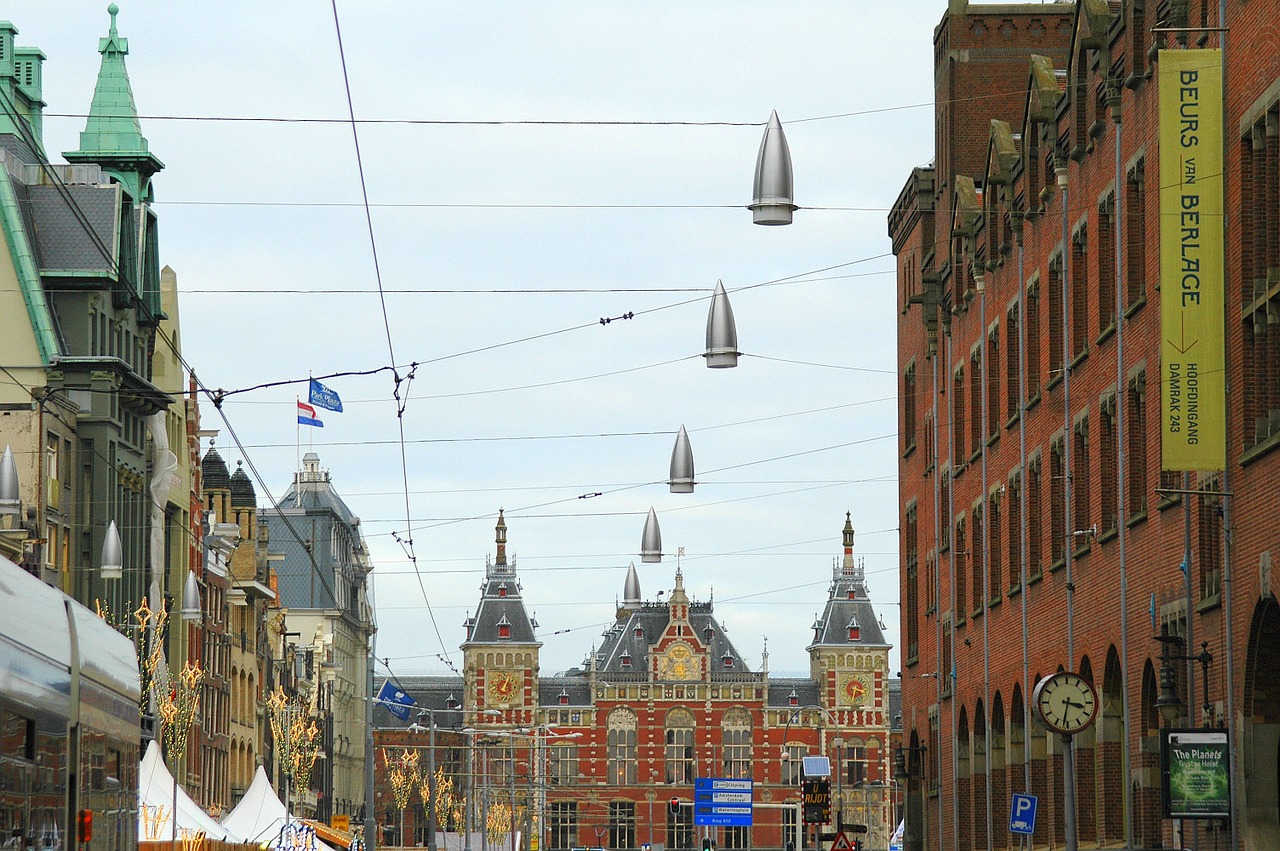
(638, 632)
(852, 594)
(452, 703)
(708, 633)
(855, 631)
(504, 627)
(793, 699)
(502, 589)
(727, 660)
(625, 659)
(564, 697)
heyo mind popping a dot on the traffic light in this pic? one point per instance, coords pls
(673, 806)
(706, 843)
(84, 826)
(857, 845)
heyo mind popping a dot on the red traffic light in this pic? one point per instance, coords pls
(84, 826)
(674, 805)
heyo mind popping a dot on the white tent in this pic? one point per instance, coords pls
(156, 797)
(260, 816)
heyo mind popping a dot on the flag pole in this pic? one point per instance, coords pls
(297, 454)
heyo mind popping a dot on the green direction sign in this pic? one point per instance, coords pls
(1197, 774)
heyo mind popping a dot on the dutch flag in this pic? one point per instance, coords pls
(307, 415)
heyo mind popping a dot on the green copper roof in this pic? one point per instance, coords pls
(112, 132)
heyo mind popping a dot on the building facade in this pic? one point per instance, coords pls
(321, 635)
(608, 753)
(1041, 531)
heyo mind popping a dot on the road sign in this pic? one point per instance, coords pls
(842, 843)
(1022, 814)
(340, 821)
(817, 801)
(722, 802)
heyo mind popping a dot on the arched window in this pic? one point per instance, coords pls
(679, 752)
(622, 747)
(737, 743)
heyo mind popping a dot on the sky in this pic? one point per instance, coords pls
(533, 169)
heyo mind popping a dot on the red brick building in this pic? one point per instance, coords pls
(665, 698)
(1039, 532)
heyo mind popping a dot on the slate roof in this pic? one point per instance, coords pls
(60, 240)
(243, 494)
(213, 471)
(639, 626)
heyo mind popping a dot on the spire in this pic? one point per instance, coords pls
(847, 534)
(112, 135)
(500, 538)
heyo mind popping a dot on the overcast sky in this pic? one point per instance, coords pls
(508, 221)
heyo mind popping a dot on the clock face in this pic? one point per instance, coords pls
(502, 686)
(1065, 702)
(853, 690)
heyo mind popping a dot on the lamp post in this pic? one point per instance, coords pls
(796, 712)
(1168, 702)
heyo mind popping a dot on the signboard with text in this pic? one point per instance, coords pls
(817, 801)
(722, 802)
(1196, 766)
(1192, 351)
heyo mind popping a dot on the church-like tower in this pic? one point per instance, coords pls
(500, 653)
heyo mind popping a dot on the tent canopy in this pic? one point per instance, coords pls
(261, 815)
(156, 796)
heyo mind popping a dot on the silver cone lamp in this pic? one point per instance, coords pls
(10, 503)
(112, 565)
(191, 599)
(651, 541)
(681, 480)
(772, 203)
(722, 332)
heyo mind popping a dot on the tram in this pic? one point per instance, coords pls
(69, 723)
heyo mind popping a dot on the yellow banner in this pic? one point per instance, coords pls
(1192, 352)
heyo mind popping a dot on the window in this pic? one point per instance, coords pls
(957, 409)
(1057, 501)
(993, 383)
(961, 578)
(1054, 311)
(622, 824)
(995, 569)
(976, 560)
(1014, 521)
(1135, 255)
(1108, 487)
(737, 743)
(793, 761)
(1035, 517)
(944, 500)
(909, 408)
(912, 613)
(931, 582)
(562, 821)
(679, 750)
(562, 764)
(855, 762)
(1080, 292)
(622, 747)
(680, 828)
(1106, 264)
(1032, 322)
(1260, 289)
(1136, 440)
(1013, 369)
(1210, 538)
(1081, 481)
(737, 838)
(975, 401)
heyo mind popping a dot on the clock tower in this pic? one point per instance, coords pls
(500, 653)
(849, 656)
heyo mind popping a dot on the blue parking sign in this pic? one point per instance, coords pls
(1022, 814)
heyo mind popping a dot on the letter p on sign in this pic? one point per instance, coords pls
(1022, 814)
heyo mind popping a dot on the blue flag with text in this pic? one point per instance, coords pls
(324, 397)
(396, 701)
